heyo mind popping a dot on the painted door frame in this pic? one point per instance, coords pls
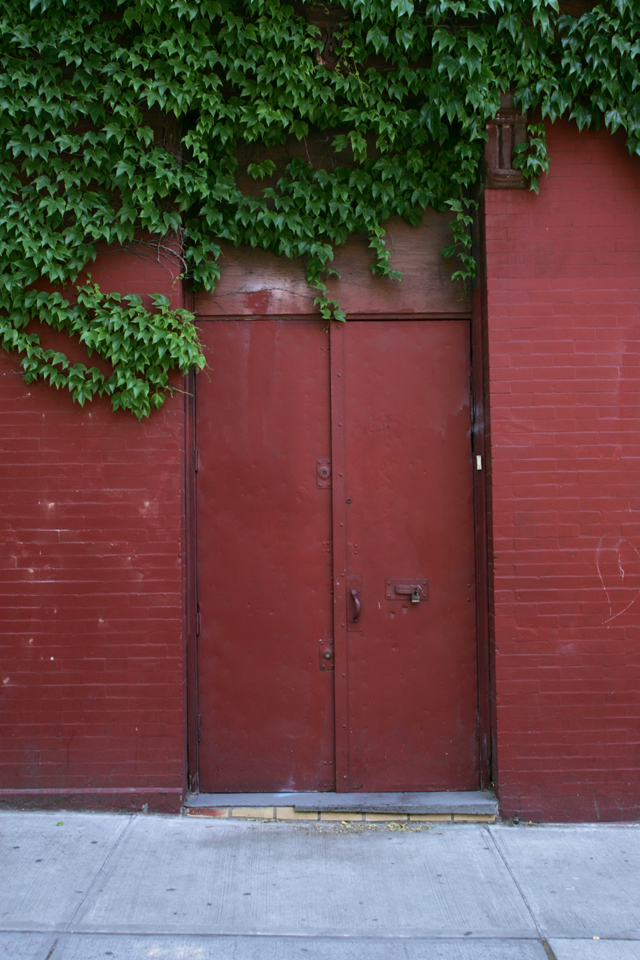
(481, 486)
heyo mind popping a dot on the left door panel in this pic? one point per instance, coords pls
(264, 557)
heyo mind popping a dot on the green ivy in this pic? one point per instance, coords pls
(405, 109)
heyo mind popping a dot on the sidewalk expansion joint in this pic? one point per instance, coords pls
(545, 945)
(99, 871)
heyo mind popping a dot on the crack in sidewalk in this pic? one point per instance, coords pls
(99, 873)
(545, 944)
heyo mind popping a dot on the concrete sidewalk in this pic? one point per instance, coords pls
(82, 886)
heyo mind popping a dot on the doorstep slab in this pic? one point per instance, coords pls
(471, 803)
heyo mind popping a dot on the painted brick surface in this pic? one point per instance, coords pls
(563, 287)
(91, 587)
(91, 562)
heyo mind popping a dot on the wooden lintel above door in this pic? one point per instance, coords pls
(257, 283)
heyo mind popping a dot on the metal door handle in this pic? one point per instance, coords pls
(356, 600)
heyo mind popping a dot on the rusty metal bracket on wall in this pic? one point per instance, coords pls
(329, 18)
(506, 131)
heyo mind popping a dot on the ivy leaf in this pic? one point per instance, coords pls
(404, 8)
(133, 123)
(261, 170)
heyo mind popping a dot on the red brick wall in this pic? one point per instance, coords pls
(563, 287)
(91, 589)
(92, 539)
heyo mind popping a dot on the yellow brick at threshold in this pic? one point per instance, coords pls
(474, 818)
(430, 817)
(388, 817)
(253, 813)
(290, 813)
(207, 812)
(340, 816)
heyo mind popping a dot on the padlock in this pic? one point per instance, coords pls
(415, 595)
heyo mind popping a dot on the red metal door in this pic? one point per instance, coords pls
(401, 436)
(264, 560)
(398, 527)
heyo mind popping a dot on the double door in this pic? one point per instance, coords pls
(335, 539)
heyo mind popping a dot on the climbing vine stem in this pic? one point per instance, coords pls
(404, 106)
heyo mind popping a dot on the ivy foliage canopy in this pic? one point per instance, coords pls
(405, 109)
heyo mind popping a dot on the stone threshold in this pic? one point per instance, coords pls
(450, 807)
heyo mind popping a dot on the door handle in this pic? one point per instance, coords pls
(353, 592)
(357, 604)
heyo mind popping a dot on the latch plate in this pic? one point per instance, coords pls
(326, 654)
(407, 588)
(323, 473)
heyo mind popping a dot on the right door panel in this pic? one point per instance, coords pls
(412, 666)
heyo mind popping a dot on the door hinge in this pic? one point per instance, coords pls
(197, 621)
(199, 733)
(196, 460)
(478, 462)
